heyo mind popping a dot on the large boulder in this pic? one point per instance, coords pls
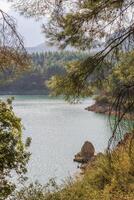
(87, 150)
(86, 153)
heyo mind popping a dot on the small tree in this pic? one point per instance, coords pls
(13, 152)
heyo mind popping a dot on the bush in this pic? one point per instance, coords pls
(102, 100)
(13, 152)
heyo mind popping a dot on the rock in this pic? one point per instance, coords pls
(103, 109)
(86, 153)
(79, 159)
(87, 150)
(91, 162)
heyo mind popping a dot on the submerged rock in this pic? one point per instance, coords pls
(86, 153)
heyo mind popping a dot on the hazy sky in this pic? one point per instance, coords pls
(28, 28)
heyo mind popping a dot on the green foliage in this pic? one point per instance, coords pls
(31, 192)
(13, 152)
(76, 83)
(109, 177)
(123, 72)
(102, 100)
(72, 85)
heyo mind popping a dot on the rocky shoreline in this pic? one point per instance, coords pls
(105, 109)
(87, 157)
(99, 108)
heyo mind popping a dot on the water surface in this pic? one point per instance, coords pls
(58, 131)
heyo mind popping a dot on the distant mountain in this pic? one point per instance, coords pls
(44, 47)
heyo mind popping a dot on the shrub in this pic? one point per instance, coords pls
(13, 152)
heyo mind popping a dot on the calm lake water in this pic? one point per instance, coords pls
(58, 131)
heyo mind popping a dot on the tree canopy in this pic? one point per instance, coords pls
(13, 56)
(83, 23)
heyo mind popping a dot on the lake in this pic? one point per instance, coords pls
(58, 130)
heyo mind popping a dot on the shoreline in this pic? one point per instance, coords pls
(105, 109)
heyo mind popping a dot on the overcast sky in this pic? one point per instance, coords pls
(28, 28)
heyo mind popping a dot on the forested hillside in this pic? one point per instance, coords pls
(43, 67)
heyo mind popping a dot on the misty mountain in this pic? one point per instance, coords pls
(44, 47)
